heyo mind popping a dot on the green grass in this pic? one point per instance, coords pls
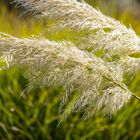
(34, 116)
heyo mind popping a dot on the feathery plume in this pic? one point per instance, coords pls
(98, 32)
(92, 82)
(89, 82)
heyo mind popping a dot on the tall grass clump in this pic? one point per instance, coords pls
(91, 69)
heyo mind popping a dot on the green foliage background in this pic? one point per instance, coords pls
(34, 116)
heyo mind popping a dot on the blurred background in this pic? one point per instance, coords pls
(34, 116)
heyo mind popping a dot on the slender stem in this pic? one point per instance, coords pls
(135, 96)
